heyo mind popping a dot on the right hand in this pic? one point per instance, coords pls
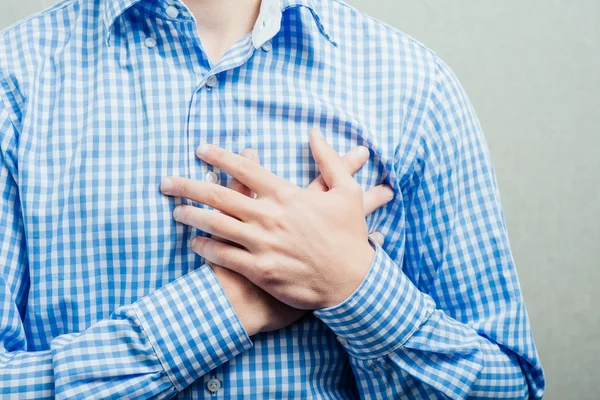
(257, 310)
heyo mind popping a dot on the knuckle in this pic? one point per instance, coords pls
(217, 196)
(242, 168)
(268, 272)
(274, 221)
(270, 243)
(222, 256)
(212, 224)
(183, 188)
(285, 195)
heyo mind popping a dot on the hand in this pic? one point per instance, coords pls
(306, 247)
(257, 310)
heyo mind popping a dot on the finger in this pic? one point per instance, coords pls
(353, 160)
(216, 196)
(330, 163)
(213, 222)
(229, 242)
(377, 197)
(239, 186)
(219, 239)
(227, 256)
(377, 237)
(246, 171)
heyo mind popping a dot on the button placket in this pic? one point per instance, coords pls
(212, 81)
(211, 177)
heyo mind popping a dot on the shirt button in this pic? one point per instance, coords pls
(211, 81)
(213, 385)
(150, 42)
(267, 46)
(343, 341)
(211, 177)
(172, 12)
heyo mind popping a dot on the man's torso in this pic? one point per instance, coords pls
(101, 125)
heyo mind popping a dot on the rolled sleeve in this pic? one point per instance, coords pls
(381, 314)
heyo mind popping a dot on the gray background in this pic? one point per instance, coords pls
(532, 70)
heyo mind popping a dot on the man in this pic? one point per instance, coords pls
(237, 280)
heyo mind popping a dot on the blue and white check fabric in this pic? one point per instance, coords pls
(100, 295)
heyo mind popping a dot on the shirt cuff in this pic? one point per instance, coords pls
(192, 326)
(382, 313)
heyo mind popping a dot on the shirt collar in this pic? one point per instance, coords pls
(267, 24)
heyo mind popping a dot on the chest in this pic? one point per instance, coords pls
(91, 162)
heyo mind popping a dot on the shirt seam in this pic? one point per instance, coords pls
(4, 100)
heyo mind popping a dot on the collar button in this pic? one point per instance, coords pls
(267, 46)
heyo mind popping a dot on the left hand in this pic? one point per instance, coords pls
(306, 248)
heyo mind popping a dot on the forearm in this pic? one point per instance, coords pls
(151, 349)
(478, 370)
(112, 357)
(401, 345)
(445, 357)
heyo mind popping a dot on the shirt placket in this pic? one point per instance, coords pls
(208, 107)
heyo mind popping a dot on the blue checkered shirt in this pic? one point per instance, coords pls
(100, 295)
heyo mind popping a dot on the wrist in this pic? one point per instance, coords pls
(244, 305)
(353, 277)
(239, 293)
(251, 323)
(383, 312)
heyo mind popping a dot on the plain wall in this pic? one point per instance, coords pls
(532, 70)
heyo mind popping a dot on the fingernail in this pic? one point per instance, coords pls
(193, 242)
(176, 212)
(202, 149)
(319, 134)
(389, 192)
(166, 185)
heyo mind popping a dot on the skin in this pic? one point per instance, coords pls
(289, 249)
(221, 23)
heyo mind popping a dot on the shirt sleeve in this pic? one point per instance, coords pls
(449, 320)
(150, 349)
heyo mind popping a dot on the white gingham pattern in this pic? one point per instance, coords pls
(100, 296)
